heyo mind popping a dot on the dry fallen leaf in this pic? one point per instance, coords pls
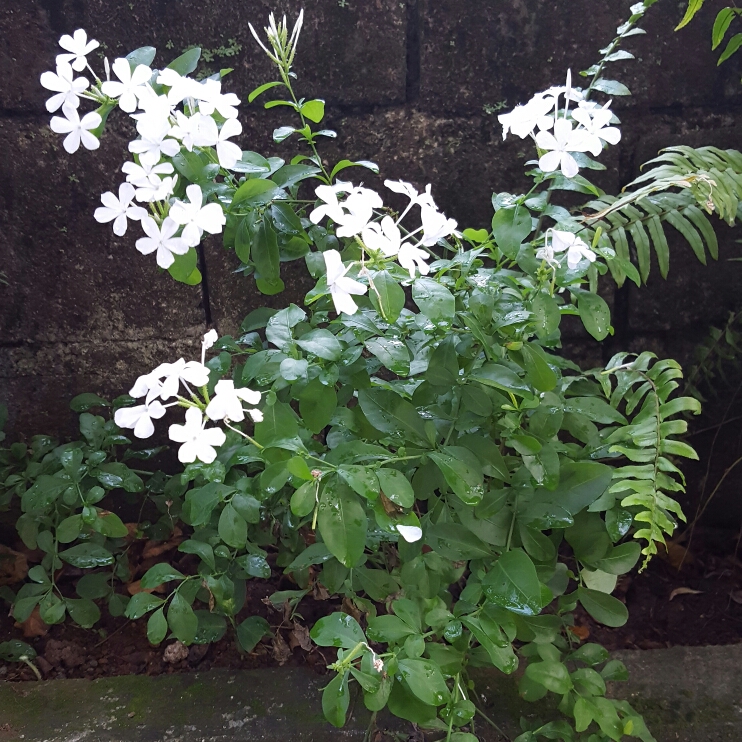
(675, 554)
(281, 650)
(156, 548)
(13, 566)
(299, 637)
(136, 587)
(33, 626)
(685, 591)
(581, 632)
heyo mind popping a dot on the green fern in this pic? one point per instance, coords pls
(685, 186)
(647, 442)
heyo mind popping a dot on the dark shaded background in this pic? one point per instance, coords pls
(415, 86)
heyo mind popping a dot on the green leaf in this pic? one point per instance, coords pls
(392, 353)
(144, 55)
(554, 676)
(336, 700)
(388, 628)
(140, 604)
(321, 343)
(114, 475)
(404, 704)
(595, 409)
(425, 680)
(204, 550)
(510, 227)
(303, 500)
(513, 584)
(253, 190)
(594, 313)
(254, 565)
(261, 89)
(314, 110)
(693, 7)
(83, 612)
(211, 627)
(488, 453)
(279, 329)
(435, 301)
(362, 480)
(83, 402)
(389, 413)
(387, 296)
(337, 630)
(69, 529)
(182, 620)
(186, 62)
(443, 366)
(159, 575)
(52, 609)
(462, 471)
(87, 556)
(501, 377)
(13, 650)
(342, 522)
(184, 268)
(723, 20)
(232, 528)
(157, 626)
(734, 44)
(538, 371)
(110, 525)
(317, 404)
(94, 585)
(396, 487)
(621, 559)
(611, 87)
(488, 634)
(602, 607)
(343, 164)
(546, 314)
(251, 631)
(278, 425)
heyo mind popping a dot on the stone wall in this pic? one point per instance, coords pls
(412, 85)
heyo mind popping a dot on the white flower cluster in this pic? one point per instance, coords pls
(562, 133)
(152, 98)
(353, 218)
(164, 382)
(556, 241)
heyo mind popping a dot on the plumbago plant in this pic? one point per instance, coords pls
(410, 441)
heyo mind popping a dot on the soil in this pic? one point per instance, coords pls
(698, 602)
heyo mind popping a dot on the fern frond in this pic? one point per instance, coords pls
(646, 442)
(686, 185)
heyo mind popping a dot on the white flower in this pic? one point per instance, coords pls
(563, 141)
(407, 189)
(191, 372)
(146, 173)
(195, 131)
(227, 402)
(139, 418)
(153, 144)
(212, 99)
(410, 256)
(575, 247)
(385, 236)
(359, 206)
(77, 130)
(209, 339)
(341, 287)
(65, 85)
(118, 210)
(228, 152)
(131, 85)
(180, 87)
(410, 533)
(377, 661)
(522, 120)
(160, 192)
(547, 253)
(162, 240)
(331, 207)
(149, 384)
(198, 442)
(435, 226)
(196, 218)
(79, 47)
(152, 104)
(595, 121)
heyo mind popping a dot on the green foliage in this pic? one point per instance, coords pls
(430, 460)
(724, 19)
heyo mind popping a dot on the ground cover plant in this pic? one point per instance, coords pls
(410, 440)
